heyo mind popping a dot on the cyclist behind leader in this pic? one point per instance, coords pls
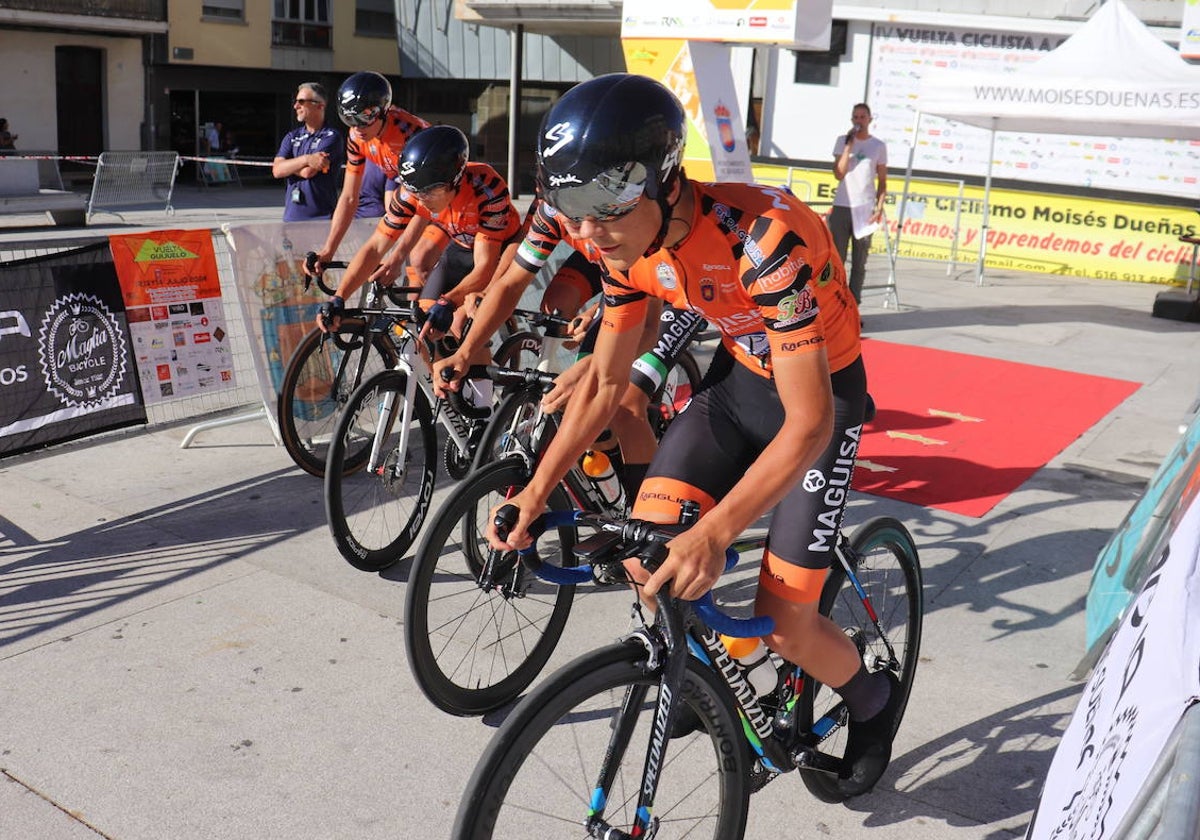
(468, 201)
(379, 131)
(778, 422)
(577, 281)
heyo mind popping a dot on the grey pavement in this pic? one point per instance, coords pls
(183, 654)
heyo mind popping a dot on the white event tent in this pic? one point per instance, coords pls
(1112, 78)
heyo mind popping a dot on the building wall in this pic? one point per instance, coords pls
(27, 67)
(435, 45)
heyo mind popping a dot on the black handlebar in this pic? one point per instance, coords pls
(628, 538)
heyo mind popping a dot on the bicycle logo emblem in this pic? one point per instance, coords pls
(814, 481)
(82, 350)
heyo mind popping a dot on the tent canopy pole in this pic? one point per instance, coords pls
(987, 195)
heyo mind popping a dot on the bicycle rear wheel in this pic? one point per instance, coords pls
(375, 514)
(885, 561)
(318, 382)
(538, 776)
(474, 645)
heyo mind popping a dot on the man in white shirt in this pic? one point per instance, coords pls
(860, 165)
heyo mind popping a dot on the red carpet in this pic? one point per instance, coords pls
(960, 432)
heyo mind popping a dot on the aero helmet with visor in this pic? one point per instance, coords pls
(433, 157)
(606, 143)
(363, 98)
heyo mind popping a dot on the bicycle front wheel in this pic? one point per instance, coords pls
(512, 421)
(318, 382)
(885, 562)
(376, 511)
(476, 639)
(538, 777)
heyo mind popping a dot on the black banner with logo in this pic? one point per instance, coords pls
(65, 366)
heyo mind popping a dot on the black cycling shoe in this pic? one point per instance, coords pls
(869, 746)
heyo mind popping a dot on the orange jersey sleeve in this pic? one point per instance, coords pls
(760, 266)
(385, 149)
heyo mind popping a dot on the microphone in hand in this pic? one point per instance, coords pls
(850, 135)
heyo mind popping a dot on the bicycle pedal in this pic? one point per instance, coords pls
(810, 758)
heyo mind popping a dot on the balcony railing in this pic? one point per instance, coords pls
(128, 9)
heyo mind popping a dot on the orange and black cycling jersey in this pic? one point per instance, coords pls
(544, 230)
(760, 266)
(480, 207)
(384, 150)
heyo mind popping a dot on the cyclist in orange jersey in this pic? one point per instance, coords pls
(468, 202)
(776, 425)
(578, 280)
(379, 131)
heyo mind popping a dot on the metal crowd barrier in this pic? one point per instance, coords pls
(1168, 805)
(131, 179)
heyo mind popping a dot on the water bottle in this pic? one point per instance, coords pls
(755, 659)
(599, 468)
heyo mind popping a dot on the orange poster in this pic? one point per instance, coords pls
(177, 324)
(165, 266)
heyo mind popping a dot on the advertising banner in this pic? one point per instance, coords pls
(1189, 30)
(176, 318)
(779, 22)
(65, 364)
(277, 310)
(1027, 231)
(1147, 677)
(903, 56)
(700, 75)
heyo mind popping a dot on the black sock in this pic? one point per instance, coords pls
(865, 694)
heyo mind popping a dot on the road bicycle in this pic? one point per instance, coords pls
(479, 627)
(326, 368)
(596, 751)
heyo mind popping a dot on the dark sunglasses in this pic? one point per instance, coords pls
(424, 191)
(607, 197)
(300, 101)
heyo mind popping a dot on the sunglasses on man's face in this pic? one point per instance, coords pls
(425, 192)
(609, 196)
(302, 101)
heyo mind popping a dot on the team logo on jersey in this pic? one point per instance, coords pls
(708, 288)
(796, 307)
(666, 276)
(814, 481)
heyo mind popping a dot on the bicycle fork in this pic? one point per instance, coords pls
(387, 419)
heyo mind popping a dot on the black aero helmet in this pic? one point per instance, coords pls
(363, 98)
(609, 141)
(433, 157)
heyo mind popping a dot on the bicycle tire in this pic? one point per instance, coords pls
(679, 385)
(473, 649)
(519, 351)
(536, 777)
(375, 516)
(315, 388)
(889, 570)
(511, 419)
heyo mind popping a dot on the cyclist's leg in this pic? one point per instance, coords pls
(425, 254)
(576, 281)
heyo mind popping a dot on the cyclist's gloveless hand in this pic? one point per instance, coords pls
(529, 509)
(564, 385)
(693, 566)
(447, 373)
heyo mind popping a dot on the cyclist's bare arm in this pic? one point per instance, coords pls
(503, 295)
(598, 394)
(802, 381)
(343, 215)
(362, 266)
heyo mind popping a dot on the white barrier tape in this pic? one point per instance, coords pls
(84, 158)
(234, 161)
